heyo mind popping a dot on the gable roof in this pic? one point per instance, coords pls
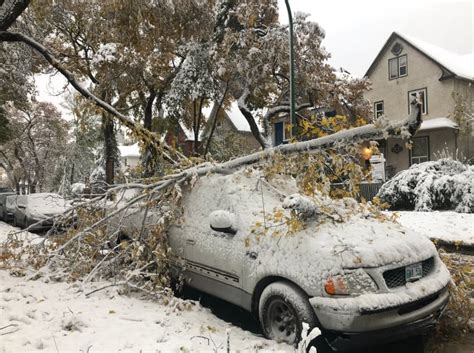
(457, 65)
(235, 117)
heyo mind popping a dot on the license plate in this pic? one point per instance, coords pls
(413, 272)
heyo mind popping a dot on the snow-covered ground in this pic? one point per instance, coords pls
(448, 226)
(56, 317)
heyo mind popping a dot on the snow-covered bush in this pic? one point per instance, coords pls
(442, 184)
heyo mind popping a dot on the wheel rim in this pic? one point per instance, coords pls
(282, 321)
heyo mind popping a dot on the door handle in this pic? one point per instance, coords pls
(190, 241)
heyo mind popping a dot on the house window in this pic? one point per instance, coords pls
(420, 150)
(422, 96)
(378, 109)
(397, 67)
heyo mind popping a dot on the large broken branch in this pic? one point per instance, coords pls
(170, 154)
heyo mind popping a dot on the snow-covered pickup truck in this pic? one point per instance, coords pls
(359, 281)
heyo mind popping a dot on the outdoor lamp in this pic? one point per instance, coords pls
(366, 153)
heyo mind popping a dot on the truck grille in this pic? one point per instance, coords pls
(396, 277)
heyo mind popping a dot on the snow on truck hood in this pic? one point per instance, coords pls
(371, 243)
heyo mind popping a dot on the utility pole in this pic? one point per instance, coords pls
(292, 72)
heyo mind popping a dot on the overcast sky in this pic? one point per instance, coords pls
(357, 29)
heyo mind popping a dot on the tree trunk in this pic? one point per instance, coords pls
(253, 127)
(147, 120)
(71, 178)
(109, 148)
(214, 116)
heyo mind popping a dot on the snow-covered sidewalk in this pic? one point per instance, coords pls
(446, 226)
(56, 317)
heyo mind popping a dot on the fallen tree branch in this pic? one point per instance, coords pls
(403, 129)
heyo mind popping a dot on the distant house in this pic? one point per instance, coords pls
(129, 156)
(407, 67)
(231, 125)
(182, 138)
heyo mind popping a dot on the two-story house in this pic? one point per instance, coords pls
(444, 82)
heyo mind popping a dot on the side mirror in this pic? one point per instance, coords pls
(223, 221)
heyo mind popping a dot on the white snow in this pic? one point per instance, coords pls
(78, 188)
(444, 184)
(106, 53)
(461, 65)
(448, 226)
(237, 118)
(129, 151)
(58, 317)
(438, 123)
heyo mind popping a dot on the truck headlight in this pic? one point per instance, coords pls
(351, 282)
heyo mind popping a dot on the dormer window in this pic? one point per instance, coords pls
(398, 67)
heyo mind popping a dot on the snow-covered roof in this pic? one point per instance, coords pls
(237, 119)
(461, 65)
(438, 123)
(189, 133)
(129, 151)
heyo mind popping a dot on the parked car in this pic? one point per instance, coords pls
(10, 206)
(363, 280)
(4, 189)
(4, 215)
(39, 208)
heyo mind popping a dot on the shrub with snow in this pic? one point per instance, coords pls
(442, 184)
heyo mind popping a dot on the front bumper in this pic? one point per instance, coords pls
(356, 340)
(388, 316)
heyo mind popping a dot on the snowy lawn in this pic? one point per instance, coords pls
(448, 226)
(56, 317)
